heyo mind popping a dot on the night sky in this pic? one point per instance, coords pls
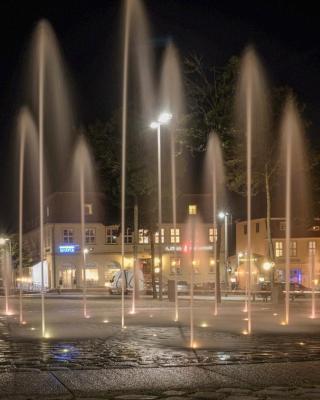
(285, 34)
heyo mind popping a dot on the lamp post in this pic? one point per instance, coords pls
(6, 241)
(163, 119)
(224, 215)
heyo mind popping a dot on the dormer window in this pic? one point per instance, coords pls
(88, 209)
(192, 209)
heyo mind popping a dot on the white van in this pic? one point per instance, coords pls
(114, 286)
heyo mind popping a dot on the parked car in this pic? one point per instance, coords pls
(182, 287)
(114, 286)
(299, 289)
(296, 290)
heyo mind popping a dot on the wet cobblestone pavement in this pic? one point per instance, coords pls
(140, 346)
(273, 392)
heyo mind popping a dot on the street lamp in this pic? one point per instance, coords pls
(163, 119)
(3, 241)
(224, 215)
(267, 265)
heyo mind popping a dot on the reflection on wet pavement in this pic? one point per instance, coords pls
(148, 346)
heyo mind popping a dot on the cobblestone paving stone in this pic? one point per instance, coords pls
(144, 347)
(292, 393)
(285, 393)
(141, 346)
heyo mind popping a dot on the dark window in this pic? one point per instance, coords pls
(245, 229)
(257, 227)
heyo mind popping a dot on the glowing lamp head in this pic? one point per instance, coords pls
(267, 265)
(221, 215)
(3, 241)
(154, 125)
(240, 255)
(164, 118)
(157, 270)
(85, 251)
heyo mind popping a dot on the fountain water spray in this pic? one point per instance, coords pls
(195, 256)
(41, 166)
(6, 270)
(313, 284)
(124, 145)
(83, 174)
(172, 98)
(49, 101)
(27, 136)
(252, 115)
(174, 220)
(84, 250)
(294, 165)
(215, 179)
(136, 31)
(288, 224)
(21, 175)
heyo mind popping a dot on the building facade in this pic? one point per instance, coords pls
(304, 250)
(64, 260)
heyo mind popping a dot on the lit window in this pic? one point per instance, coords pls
(156, 236)
(279, 249)
(143, 236)
(196, 266)
(88, 210)
(257, 227)
(283, 225)
(90, 235)
(128, 237)
(212, 265)
(111, 235)
(213, 233)
(175, 266)
(174, 236)
(312, 247)
(92, 275)
(68, 236)
(192, 209)
(293, 249)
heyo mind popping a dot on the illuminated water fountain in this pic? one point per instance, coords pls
(172, 98)
(49, 101)
(84, 175)
(293, 162)
(252, 120)
(136, 36)
(28, 137)
(215, 179)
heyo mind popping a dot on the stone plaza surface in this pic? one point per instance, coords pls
(94, 358)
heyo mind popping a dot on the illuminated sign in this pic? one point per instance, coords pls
(187, 248)
(69, 248)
